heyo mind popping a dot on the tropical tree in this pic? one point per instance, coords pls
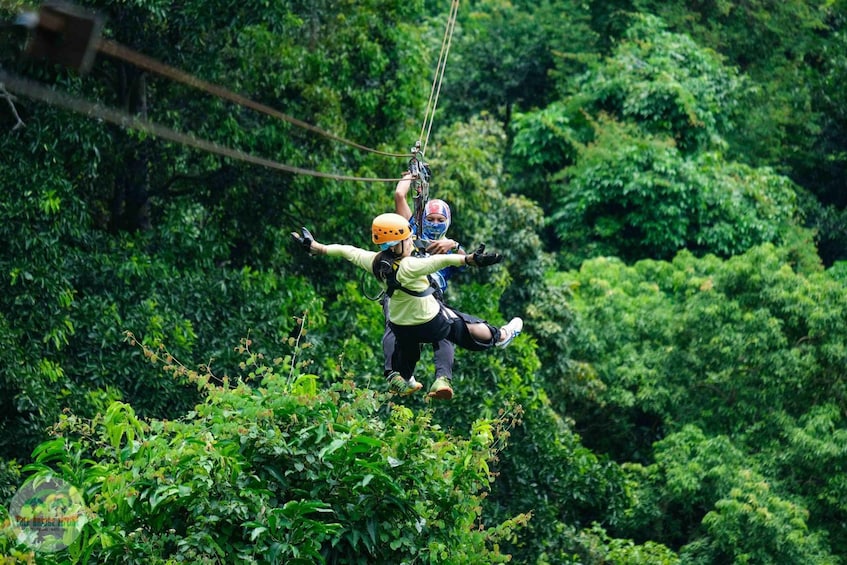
(505, 55)
(635, 196)
(702, 494)
(632, 164)
(747, 349)
(106, 230)
(666, 83)
(792, 118)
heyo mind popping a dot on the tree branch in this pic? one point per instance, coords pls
(11, 100)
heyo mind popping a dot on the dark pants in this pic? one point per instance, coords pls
(449, 325)
(443, 352)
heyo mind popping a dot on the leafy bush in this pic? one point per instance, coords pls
(270, 469)
(709, 486)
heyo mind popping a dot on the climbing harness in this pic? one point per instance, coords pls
(385, 270)
(421, 176)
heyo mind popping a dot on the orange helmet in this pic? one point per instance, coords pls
(390, 229)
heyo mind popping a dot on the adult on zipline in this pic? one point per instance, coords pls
(436, 219)
(414, 314)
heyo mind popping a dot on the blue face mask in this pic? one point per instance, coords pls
(434, 230)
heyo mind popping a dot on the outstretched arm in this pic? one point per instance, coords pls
(401, 206)
(359, 257)
(412, 268)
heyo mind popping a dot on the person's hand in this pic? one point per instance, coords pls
(304, 238)
(403, 186)
(482, 259)
(441, 246)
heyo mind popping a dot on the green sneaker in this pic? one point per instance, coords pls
(398, 385)
(441, 389)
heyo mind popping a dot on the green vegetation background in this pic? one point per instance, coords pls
(664, 179)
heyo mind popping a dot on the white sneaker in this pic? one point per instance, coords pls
(510, 331)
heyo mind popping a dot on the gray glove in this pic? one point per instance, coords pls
(304, 238)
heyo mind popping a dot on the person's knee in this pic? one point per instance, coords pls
(477, 342)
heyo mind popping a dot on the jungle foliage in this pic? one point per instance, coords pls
(665, 182)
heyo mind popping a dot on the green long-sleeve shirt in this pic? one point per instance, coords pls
(404, 309)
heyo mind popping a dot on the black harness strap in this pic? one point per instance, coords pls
(398, 286)
(386, 270)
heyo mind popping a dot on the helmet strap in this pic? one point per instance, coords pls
(401, 246)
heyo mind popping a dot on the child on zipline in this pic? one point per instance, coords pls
(435, 219)
(414, 314)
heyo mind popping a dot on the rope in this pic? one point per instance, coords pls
(35, 91)
(123, 119)
(421, 184)
(119, 51)
(439, 74)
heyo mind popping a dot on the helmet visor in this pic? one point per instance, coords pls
(389, 244)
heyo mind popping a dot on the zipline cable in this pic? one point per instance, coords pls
(35, 91)
(119, 51)
(58, 18)
(432, 103)
(54, 24)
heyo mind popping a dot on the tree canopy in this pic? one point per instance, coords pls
(663, 180)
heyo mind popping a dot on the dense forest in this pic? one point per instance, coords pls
(664, 179)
